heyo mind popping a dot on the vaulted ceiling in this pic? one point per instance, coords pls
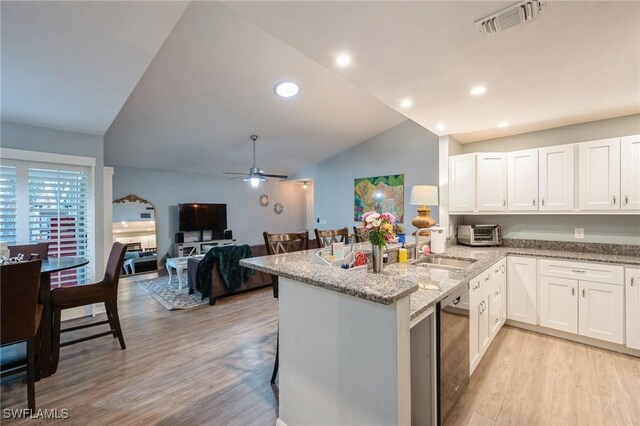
(181, 85)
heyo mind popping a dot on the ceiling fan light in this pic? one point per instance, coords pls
(255, 182)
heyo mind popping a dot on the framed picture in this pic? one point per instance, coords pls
(384, 194)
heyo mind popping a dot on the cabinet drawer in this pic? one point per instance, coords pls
(598, 272)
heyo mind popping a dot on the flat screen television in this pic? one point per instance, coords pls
(202, 217)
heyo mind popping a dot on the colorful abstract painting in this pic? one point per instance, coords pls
(384, 194)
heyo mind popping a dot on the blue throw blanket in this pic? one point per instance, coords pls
(228, 260)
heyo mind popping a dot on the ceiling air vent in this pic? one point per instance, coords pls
(517, 14)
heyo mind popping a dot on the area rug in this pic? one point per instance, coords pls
(168, 294)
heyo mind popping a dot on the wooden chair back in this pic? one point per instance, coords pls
(40, 249)
(360, 234)
(19, 286)
(329, 236)
(286, 243)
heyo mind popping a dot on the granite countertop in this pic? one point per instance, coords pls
(426, 286)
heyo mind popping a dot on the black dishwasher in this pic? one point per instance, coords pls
(452, 349)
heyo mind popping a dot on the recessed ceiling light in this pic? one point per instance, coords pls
(286, 89)
(503, 124)
(440, 126)
(478, 90)
(343, 60)
(406, 103)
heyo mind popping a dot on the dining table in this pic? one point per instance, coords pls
(49, 266)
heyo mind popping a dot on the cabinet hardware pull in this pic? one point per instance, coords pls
(497, 293)
(504, 202)
(534, 201)
(487, 278)
(631, 281)
(626, 200)
(497, 320)
(456, 301)
(573, 291)
(543, 202)
(578, 271)
(584, 293)
(614, 200)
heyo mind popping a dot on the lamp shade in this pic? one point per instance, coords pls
(426, 195)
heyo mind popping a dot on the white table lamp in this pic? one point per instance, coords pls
(423, 195)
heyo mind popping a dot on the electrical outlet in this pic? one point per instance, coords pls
(579, 233)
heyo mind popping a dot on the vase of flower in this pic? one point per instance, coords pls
(379, 228)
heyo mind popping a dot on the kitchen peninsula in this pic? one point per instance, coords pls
(359, 348)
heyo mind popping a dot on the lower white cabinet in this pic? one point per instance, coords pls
(486, 310)
(590, 308)
(521, 289)
(601, 311)
(559, 303)
(632, 293)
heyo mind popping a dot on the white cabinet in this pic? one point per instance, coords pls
(462, 183)
(521, 289)
(632, 296)
(601, 311)
(556, 180)
(599, 175)
(559, 303)
(630, 173)
(522, 180)
(491, 182)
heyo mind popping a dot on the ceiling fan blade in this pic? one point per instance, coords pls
(275, 176)
(238, 177)
(235, 173)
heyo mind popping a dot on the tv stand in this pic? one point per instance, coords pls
(198, 247)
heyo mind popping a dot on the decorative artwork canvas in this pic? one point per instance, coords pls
(384, 194)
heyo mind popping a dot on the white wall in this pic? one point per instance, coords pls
(597, 228)
(245, 217)
(40, 139)
(407, 148)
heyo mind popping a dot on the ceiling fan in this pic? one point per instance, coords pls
(255, 175)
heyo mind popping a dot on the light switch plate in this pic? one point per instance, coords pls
(579, 233)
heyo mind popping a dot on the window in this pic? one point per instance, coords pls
(47, 202)
(8, 208)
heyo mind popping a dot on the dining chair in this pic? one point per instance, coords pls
(20, 317)
(327, 237)
(40, 249)
(105, 291)
(278, 244)
(360, 234)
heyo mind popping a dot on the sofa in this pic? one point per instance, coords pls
(218, 288)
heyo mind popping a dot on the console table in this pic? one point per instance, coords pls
(198, 247)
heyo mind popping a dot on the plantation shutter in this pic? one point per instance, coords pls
(8, 205)
(59, 213)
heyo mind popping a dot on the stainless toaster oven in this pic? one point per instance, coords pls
(479, 235)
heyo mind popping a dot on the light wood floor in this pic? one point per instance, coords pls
(212, 365)
(527, 378)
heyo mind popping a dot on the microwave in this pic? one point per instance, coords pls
(479, 235)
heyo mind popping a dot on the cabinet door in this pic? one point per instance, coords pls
(522, 289)
(462, 183)
(601, 311)
(491, 181)
(522, 182)
(599, 175)
(630, 173)
(484, 332)
(632, 282)
(474, 327)
(496, 299)
(556, 178)
(559, 303)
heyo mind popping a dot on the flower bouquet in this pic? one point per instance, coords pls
(379, 228)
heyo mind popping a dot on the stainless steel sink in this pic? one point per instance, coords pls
(444, 263)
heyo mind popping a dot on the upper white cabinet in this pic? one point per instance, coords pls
(630, 173)
(556, 178)
(522, 180)
(491, 181)
(599, 175)
(632, 296)
(462, 183)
